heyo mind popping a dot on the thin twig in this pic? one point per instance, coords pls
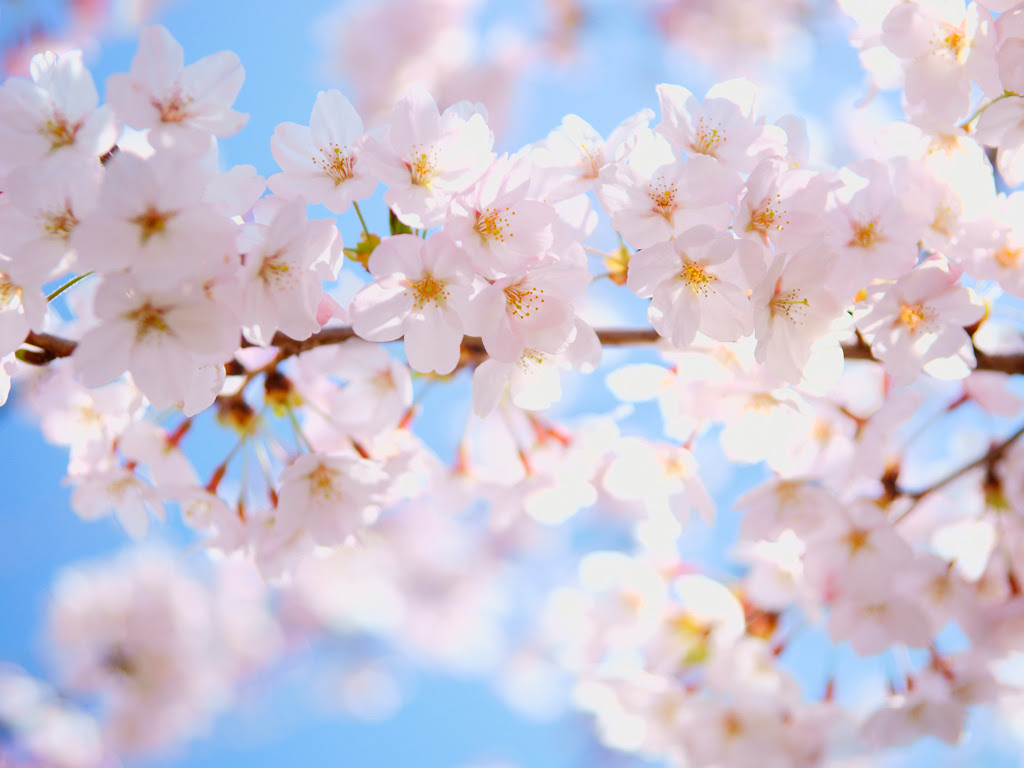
(987, 460)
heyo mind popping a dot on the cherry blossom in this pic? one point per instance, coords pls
(688, 280)
(420, 292)
(793, 311)
(400, 507)
(723, 126)
(330, 497)
(531, 309)
(502, 230)
(944, 46)
(162, 339)
(181, 105)
(322, 163)
(427, 156)
(917, 323)
(658, 195)
(151, 219)
(56, 113)
(286, 257)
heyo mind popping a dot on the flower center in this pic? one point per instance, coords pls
(322, 483)
(274, 271)
(337, 163)
(429, 289)
(151, 222)
(173, 109)
(856, 540)
(765, 218)
(421, 169)
(59, 224)
(523, 301)
(789, 303)
(865, 234)
(956, 43)
(912, 316)
(696, 277)
(10, 292)
(664, 200)
(1008, 257)
(492, 224)
(60, 132)
(706, 138)
(148, 320)
(590, 162)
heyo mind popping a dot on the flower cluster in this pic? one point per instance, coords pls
(803, 315)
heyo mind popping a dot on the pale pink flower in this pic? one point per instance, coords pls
(40, 208)
(871, 232)
(571, 158)
(781, 206)
(330, 497)
(871, 618)
(377, 392)
(163, 339)
(724, 126)
(905, 718)
(782, 504)
(183, 106)
(658, 195)
(427, 157)
(533, 381)
(420, 291)
(139, 634)
(286, 256)
(501, 229)
(322, 162)
(54, 113)
(152, 220)
(694, 283)
(533, 309)
(944, 47)
(794, 311)
(993, 246)
(119, 491)
(856, 550)
(664, 478)
(918, 323)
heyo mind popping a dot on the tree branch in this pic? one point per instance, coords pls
(987, 460)
(50, 347)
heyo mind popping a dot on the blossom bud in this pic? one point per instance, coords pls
(279, 393)
(617, 264)
(234, 412)
(361, 253)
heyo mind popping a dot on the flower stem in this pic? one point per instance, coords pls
(67, 285)
(362, 221)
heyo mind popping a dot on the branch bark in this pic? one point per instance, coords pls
(48, 347)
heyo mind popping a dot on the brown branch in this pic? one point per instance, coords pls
(987, 460)
(50, 347)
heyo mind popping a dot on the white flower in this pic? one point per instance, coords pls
(330, 497)
(183, 106)
(420, 291)
(692, 281)
(322, 162)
